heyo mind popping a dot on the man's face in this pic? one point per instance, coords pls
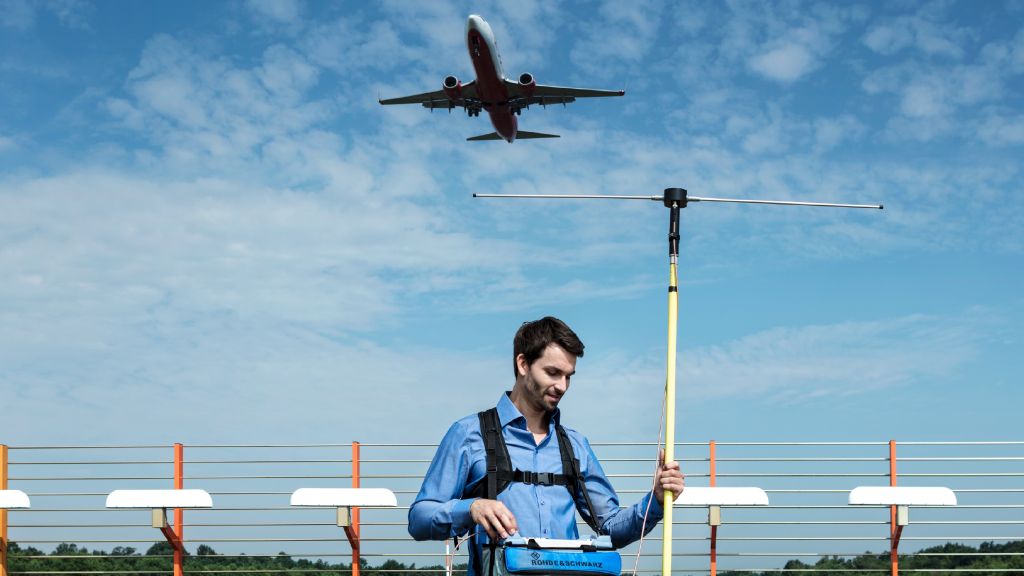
(547, 379)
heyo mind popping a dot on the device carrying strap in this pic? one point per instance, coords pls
(500, 472)
(571, 467)
(499, 464)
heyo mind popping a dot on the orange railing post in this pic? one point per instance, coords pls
(714, 529)
(3, 513)
(355, 510)
(179, 528)
(893, 540)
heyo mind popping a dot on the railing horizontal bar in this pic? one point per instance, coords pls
(34, 494)
(859, 522)
(85, 478)
(200, 525)
(984, 490)
(361, 445)
(806, 459)
(961, 459)
(287, 461)
(197, 510)
(93, 541)
(804, 475)
(854, 443)
(872, 474)
(646, 444)
(347, 446)
(867, 459)
(859, 538)
(99, 447)
(89, 463)
(845, 554)
(955, 443)
(285, 477)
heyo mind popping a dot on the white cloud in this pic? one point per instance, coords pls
(204, 111)
(7, 143)
(73, 14)
(787, 364)
(925, 31)
(785, 63)
(925, 96)
(772, 136)
(279, 11)
(348, 46)
(831, 132)
(798, 40)
(22, 14)
(17, 14)
(1002, 129)
(624, 34)
(938, 100)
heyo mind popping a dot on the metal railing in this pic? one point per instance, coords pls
(808, 519)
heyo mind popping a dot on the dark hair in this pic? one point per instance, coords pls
(533, 338)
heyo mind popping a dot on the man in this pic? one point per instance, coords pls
(449, 502)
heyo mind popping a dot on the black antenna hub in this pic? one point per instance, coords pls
(675, 196)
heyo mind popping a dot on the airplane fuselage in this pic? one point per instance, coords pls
(490, 79)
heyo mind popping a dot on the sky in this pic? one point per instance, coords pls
(211, 232)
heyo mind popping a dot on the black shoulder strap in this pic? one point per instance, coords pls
(571, 468)
(500, 472)
(498, 461)
(499, 464)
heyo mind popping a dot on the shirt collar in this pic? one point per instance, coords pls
(507, 412)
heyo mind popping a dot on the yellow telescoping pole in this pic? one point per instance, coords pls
(675, 198)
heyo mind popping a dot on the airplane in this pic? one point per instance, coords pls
(503, 99)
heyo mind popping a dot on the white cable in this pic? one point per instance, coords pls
(643, 525)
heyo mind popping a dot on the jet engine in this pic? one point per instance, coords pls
(527, 83)
(452, 87)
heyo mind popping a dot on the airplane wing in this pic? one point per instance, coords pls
(438, 98)
(557, 94)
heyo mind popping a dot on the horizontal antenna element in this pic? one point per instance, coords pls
(682, 201)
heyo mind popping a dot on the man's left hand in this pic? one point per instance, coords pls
(668, 477)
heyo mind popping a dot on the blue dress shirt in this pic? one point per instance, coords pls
(440, 511)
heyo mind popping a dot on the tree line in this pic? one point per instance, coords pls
(158, 558)
(988, 559)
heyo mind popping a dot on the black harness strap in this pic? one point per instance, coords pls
(499, 466)
(571, 466)
(490, 429)
(500, 472)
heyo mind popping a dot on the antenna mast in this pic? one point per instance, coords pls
(674, 199)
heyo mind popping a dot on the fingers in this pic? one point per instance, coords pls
(672, 481)
(669, 478)
(495, 518)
